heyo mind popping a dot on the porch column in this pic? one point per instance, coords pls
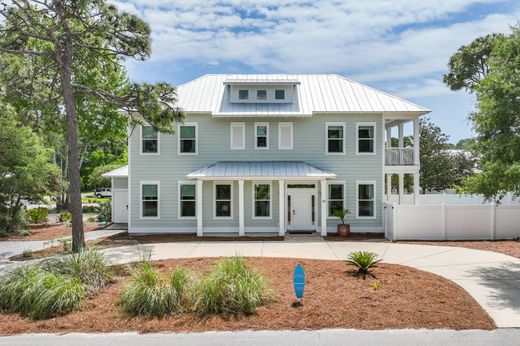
(324, 198)
(281, 207)
(388, 137)
(199, 207)
(241, 228)
(401, 187)
(416, 135)
(388, 186)
(416, 188)
(401, 143)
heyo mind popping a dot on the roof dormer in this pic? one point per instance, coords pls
(261, 90)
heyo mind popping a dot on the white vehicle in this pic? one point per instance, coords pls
(103, 192)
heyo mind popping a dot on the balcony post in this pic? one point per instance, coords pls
(388, 137)
(401, 143)
(416, 135)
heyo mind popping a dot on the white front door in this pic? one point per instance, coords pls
(301, 210)
(120, 205)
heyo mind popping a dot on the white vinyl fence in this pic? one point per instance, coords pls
(448, 198)
(451, 221)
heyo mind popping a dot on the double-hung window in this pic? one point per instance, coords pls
(336, 198)
(365, 200)
(149, 199)
(187, 199)
(149, 140)
(261, 136)
(335, 138)
(223, 200)
(366, 138)
(261, 200)
(188, 139)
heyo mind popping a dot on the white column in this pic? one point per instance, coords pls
(199, 207)
(324, 198)
(388, 137)
(401, 143)
(388, 186)
(416, 188)
(281, 207)
(401, 187)
(416, 139)
(241, 228)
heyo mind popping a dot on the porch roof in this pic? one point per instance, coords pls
(121, 172)
(260, 169)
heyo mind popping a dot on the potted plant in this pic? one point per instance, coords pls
(342, 228)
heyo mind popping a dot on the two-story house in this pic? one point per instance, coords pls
(264, 154)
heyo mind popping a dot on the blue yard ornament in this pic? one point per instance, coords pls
(299, 281)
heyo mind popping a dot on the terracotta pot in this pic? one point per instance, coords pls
(343, 230)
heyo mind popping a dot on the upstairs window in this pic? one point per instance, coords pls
(187, 198)
(261, 94)
(336, 198)
(261, 136)
(366, 202)
(149, 140)
(335, 138)
(243, 94)
(279, 94)
(262, 200)
(366, 138)
(223, 202)
(188, 139)
(238, 136)
(149, 200)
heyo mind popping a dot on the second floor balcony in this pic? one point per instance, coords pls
(399, 156)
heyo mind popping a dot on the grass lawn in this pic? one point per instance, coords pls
(93, 199)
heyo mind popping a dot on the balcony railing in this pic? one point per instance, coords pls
(399, 156)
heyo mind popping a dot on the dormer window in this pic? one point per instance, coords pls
(261, 94)
(279, 94)
(243, 94)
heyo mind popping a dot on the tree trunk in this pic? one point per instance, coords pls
(64, 66)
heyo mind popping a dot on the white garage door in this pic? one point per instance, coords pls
(120, 205)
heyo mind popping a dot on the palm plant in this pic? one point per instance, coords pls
(363, 261)
(342, 214)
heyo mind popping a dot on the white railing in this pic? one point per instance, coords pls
(399, 156)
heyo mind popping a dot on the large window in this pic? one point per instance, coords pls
(261, 136)
(188, 139)
(187, 199)
(336, 198)
(149, 200)
(366, 138)
(261, 200)
(335, 138)
(366, 201)
(149, 140)
(223, 200)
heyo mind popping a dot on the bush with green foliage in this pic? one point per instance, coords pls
(37, 215)
(11, 220)
(90, 209)
(105, 212)
(231, 288)
(363, 261)
(3, 233)
(27, 254)
(65, 216)
(91, 219)
(24, 233)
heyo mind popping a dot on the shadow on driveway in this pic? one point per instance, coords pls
(504, 281)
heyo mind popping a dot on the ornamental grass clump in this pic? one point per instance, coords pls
(231, 288)
(363, 261)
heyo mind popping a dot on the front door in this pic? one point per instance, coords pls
(301, 210)
(120, 205)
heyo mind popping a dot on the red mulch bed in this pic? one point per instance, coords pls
(355, 237)
(50, 231)
(506, 247)
(334, 298)
(168, 238)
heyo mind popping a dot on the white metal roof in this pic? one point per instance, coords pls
(315, 93)
(121, 172)
(260, 169)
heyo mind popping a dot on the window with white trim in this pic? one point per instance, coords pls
(365, 200)
(149, 140)
(150, 200)
(261, 200)
(261, 136)
(261, 94)
(243, 94)
(223, 200)
(335, 138)
(336, 198)
(366, 138)
(285, 136)
(238, 136)
(279, 94)
(188, 139)
(187, 200)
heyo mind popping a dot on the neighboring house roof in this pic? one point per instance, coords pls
(315, 93)
(121, 172)
(260, 169)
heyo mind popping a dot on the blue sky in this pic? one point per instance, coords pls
(399, 46)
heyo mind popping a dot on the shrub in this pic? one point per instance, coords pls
(65, 242)
(105, 212)
(363, 261)
(37, 215)
(88, 209)
(231, 288)
(27, 253)
(91, 219)
(65, 216)
(11, 220)
(3, 233)
(24, 233)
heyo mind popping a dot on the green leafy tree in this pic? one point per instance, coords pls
(59, 34)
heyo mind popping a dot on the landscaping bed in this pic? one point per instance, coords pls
(397, 297)
(356, 237)
(506, 247)
(49, 231)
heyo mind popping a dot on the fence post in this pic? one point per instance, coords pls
(394, 221)
(444, 221)
(493, 221)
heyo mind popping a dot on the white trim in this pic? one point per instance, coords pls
(241, 211)
(374, 124)
(141, 142)
(253, 184)
(149, 182)
(206, 230)
(266, 137)
(196, 138)
(365, 182)
(281, 124)
(336, 182)
(344, 126)
(231, 142)
(282, 217)
(293, 180)
(215, 217)
(179, 202)
(129, 182)
(199, 207)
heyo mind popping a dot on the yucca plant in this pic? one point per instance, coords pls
(363, 261)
